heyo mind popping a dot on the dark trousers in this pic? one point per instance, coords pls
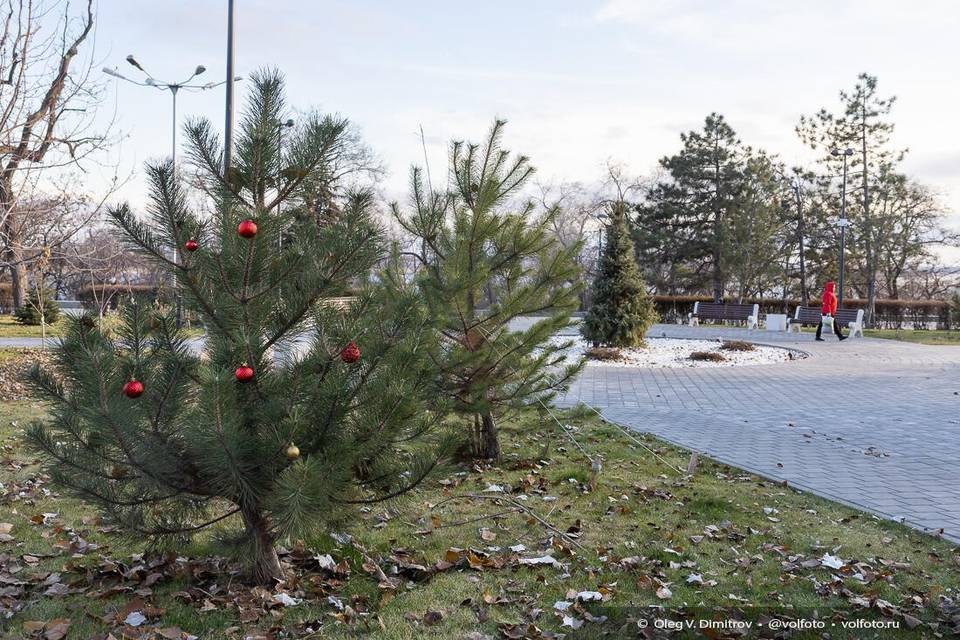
(836, 328)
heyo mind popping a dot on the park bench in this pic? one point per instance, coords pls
(850, 318)
(749, 313)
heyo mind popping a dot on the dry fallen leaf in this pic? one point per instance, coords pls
(431, 618)
(57, 629)
(135, 619)
(831, 561)
(33, 626)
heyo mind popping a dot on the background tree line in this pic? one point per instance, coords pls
(723, 218)
(717, 216)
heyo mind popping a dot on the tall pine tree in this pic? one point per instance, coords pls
(862, 125)
(169, 443)
(621, 311)
(485, 260)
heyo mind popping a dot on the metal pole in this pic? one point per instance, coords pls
(173, 90)
(228, 126)
(843, 228)
(279, 165)
(801, 231)
(178, 303)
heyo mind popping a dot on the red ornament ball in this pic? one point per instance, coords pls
(243, 373)
(191, 245)
(133, 389)
(247, 229)
(350, 353)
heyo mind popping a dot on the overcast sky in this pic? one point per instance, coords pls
(580, 81)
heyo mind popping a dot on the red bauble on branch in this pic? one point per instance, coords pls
(247, 229)
(350, 353)
(190, 245)
(133, 389)
(244, 373)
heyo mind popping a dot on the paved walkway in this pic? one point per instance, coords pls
(871, 423)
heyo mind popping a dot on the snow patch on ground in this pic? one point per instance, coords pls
(665, 353)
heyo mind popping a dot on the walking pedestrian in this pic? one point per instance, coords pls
(829, 310)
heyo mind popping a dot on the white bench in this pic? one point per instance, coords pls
(749, 313)
(852, 318)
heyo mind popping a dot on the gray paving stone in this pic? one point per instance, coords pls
(882, 418)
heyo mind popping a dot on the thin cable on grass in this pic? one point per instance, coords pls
(518, 506)
(594, 463)
(487, 516)
(629, 435)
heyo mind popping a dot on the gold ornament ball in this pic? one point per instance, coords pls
(293, 452)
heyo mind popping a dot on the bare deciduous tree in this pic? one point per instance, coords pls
(576, 218)
(46, 88)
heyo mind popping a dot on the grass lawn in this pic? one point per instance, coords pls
(722, 543)
(921, 337)
(9, 328)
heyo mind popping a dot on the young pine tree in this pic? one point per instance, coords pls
(40, 308)
(484, 262)
(621, 311)
(168, 443)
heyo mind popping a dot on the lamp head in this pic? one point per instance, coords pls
(200, 69)
(289, 123)
(134, 62)
(112, 72)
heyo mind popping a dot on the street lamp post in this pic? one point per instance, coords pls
(173, 88)
(228, 109)
(843, 223)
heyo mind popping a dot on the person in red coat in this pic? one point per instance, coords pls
(829, 308)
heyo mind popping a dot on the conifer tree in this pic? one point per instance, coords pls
(167, 442)
(620, 311)
(862, 125)
(485, 260)
(40, 308)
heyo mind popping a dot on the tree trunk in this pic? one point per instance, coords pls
(488, 443)
(870, 315)
(13, 255)
(717, 277)
(266, 565)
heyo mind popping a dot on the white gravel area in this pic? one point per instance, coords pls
(664, 353)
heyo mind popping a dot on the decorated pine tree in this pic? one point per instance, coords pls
(168, 442)
(486, 257)
(621, 311)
